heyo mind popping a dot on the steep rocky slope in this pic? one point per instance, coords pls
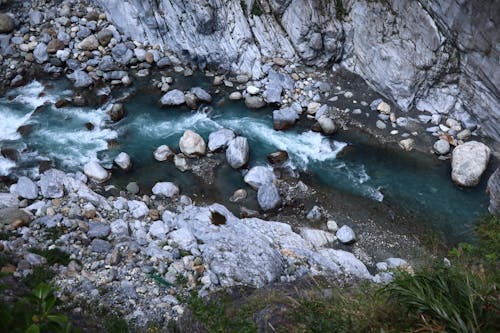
(440, 56)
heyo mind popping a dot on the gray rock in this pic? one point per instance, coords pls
(9, 216)
(327, 125)
(6, 23)
(181, 162)
(183, 239)
(318, 238)
(89, 44)
(40, 53)
(346, 235)
(80, 79)
(106, 64)
(26, 188)
(393, 263)
(238, 152)
(119, 229)
(96, 172)
(36, 17)
(35, 259)
(254, 102)
(51, 183)
(468, 163)
(132, 188)
(137, 208)
(173, 98)
(123, 161)
(258, 176)
(104, 36)
(220, 139)
(380, 124)
(464, 135)
(315, 214)
(159, 230)
(98, 230)
(122, 54)
(268, 196)
(192, 144)
(83, 32)
(166, 189)
(8, 200)
(163, 153)
(100, 246)
(284, 118)
(494, 191)
(201, 94)
(442, 147)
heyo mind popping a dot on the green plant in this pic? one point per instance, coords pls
(116, 324)
(40, 274)
(34, 313)
(257, 9)
(339, 10)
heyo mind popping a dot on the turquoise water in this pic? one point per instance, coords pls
(418, 186)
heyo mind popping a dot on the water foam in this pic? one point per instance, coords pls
(5, 166)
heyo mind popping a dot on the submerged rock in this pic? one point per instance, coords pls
(192, 144)
(468, 163)
(123, 161)
(238, 152)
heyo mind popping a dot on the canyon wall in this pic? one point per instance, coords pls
(438, 56)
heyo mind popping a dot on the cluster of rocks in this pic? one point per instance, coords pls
(120, 247)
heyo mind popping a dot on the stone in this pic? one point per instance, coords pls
(163, 153)
(181, 162)
(252, 90)
(441, 147)
(235, 96)
(332, 226)
(55, 45)
(258, 176)
(346, 235)
(138, 208)
(98, 230)
(159, 230)
(268, 197)
(493, 189)
(393, 263)
(192, 144)
(384, 108)
(96, 172)
(327, 125)
(119, 228)
(51, 184)
(220, 139)
(14, 218)
(104, 36)
(80, 79)
(238, 152)
(166, 189)
(201, 94)
(407, 144)
(468, 163)
(6, 23)
(464, 135)
(132, 188)
(315, 214)
(173, 98)
(278, 157)
(100, 246)
(89, 44)
(318, 238)
(116, 112)
(122, 54)
(183, 239)
(313, 107)
(192, 101)
(284, 118)
(40, 53)
(254, 102)
(380, 124)
(349, 264)
(26, 188)
(238, 195)
(123, 161)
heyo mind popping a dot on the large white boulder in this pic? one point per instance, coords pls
(468, 163)
(166, 189)
(96, 172)
(192, 144)
(238, 152)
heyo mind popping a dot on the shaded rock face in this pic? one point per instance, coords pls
(439, 56)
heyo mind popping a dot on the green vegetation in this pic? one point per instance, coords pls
(339, 9)
(34, 313)
(257, 9)
(40, 274)
(53, 256)
(116, 324)
(459, 296)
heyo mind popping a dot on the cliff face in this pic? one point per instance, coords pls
(440, 56)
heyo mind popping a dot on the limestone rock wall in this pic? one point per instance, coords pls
(440, 56)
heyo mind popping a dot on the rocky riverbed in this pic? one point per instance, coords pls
(141, 254)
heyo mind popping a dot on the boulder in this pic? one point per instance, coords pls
(284, 118)
(252, 90)
(89, 44)
(166, 189)
(163, 153)
(494, 191)
(327, 125)
(235, 96)
(384, 108)
(104, 36)
(181, 162)
(192, 101)
(123, 161)
(6, 23)
(192, 144)
(254, 102)
(40, 53)
(346, 235)
(122, 54)
(258, 176)
(407, 144)
(26, 188)
(268, 196)
(80, 79)
(52, 183)
(238, 152)
(278, 157)
(8, 200)
(315, 214)
(55, 45)
(96, 172)
(220, 139)
(313, 107)
(98, 230)
(201, 94)
(318, 238)
(172, 98)
(116, 112)
(468, 163)
(137, 208)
